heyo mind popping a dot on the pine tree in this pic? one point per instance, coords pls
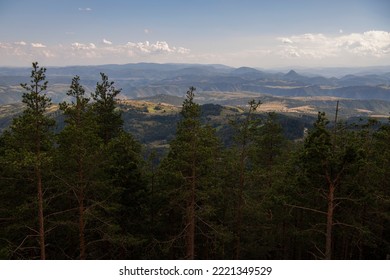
(269, 157)
(243, 140)
(369, 238)
(328, 158)
(107, 117)
(29, 142)
(78, 155)
(188, 168)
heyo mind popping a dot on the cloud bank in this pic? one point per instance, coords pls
(90, 53)
(318, 46)
(310, 49)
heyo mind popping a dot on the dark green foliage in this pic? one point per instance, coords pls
(107, 117)
(79, 169)
(27, 153)
(125, 169)
(103, 182)
(191, 186)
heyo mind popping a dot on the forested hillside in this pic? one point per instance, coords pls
(89, 189)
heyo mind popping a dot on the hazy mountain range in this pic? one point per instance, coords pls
(153, 93)
(149, 79)
(365, 92)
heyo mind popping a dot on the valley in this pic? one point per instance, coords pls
(152, 94)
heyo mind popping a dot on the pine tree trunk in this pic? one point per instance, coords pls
(237, 253)
(329, 215)
(240, 202)
(40, 213)
(191, 219)
(81, 225)
(81, 211)
(329, 222)
(38, 176)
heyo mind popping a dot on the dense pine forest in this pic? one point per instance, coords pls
(90, 190)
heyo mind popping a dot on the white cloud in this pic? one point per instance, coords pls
(80, 46)
(285, 40)
(182, 50)
(48, 54)
(4, 46)
(130, 48)
(85, 9)
(18, 53)
(371, 44)
(87, 53)
(83, 50)
(21, 43)
(292, 52)
(38, 45)
(159, 47)
(146, 31)
(107, 42)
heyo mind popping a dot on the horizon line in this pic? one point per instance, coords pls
(292, 67)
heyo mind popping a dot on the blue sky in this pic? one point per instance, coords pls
(277, 33)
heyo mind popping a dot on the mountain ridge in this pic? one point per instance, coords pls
(149, 79)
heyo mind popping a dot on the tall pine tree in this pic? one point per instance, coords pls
(188, 174)
(79, 157)
(29, 143)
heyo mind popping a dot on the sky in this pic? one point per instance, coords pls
(253, 33)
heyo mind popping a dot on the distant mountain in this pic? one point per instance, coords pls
(366, 80)
(337, 72)
(293, 76)
(151, 79)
